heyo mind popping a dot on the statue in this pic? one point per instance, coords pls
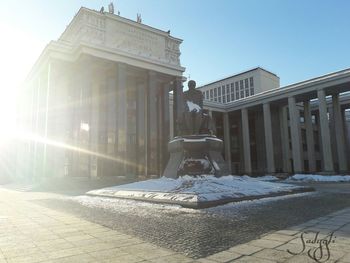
(194, 120)
(196, 150)
(111, 8)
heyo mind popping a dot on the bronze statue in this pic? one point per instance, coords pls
(194, 120)
(196, 151)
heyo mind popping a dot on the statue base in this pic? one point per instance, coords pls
(195, 155)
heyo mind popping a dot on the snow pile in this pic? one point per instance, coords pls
(267, 178)
(319, 178)
(193, 106)
(195, 189)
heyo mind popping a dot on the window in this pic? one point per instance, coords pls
(211, 94)
(246, 83)
(223, 90)
(241, 88)
(251, 91)
(228, 89)
(232, 96)
(219, 99)
(207, 94)
(251, 80)
(215, 93)
(224, 99)
(247, 92)
(219, 91)
(313, 119)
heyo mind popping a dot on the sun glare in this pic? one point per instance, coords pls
(18, 53)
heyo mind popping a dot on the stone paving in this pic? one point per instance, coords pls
(33, 233)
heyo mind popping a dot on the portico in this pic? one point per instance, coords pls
(100, 102)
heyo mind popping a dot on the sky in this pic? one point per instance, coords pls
(295, 39)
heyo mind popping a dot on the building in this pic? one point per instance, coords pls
(96, 102)
(240, 86)
(299, 128)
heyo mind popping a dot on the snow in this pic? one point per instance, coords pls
(319, 178)
(193, 106)
(195, 189)
(267, 178)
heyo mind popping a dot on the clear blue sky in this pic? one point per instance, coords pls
(293, 38)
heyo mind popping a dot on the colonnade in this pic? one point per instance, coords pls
(115, 119)
(290, 142)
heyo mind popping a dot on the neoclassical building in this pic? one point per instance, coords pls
(96, 102)
(299, 128)
(103, 100)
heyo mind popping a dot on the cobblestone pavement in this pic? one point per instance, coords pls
(200, 233)
(30, 232)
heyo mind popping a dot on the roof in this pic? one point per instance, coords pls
(237, 74)
(120, 18)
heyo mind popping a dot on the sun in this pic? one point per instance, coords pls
(18, 52)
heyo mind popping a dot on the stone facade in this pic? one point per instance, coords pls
(96, 103)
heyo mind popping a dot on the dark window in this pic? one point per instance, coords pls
(246, 83)
(224, 99)
(223, 90)
(251, 91)
(251, 80)
(246, 92)
(211, 94)
(219, 91)
(215, 92)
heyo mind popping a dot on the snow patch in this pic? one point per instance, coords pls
(193, 106)
(195, 189)
(319, 178)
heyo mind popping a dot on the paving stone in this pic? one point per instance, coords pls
(97, 247)
(245, 249)
(108, 253)
(175, 258)
(81, 258)
(250, 259)
(264, 243)
(279, 237)
(224, 256)
(345, 258)
(64, 253)
(125, 258)
(274, 254)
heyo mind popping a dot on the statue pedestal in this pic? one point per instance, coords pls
(195, 155)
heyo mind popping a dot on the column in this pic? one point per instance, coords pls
(339, 134)
(177, 103)
(165, 127)
(141, 127)
(152, 130)
(246, 141)
(122, 119)
(309, 137)
(46, 120)
(227, 141)
(325, 133)
(283, 116)
(268, 139)
(294, 117)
